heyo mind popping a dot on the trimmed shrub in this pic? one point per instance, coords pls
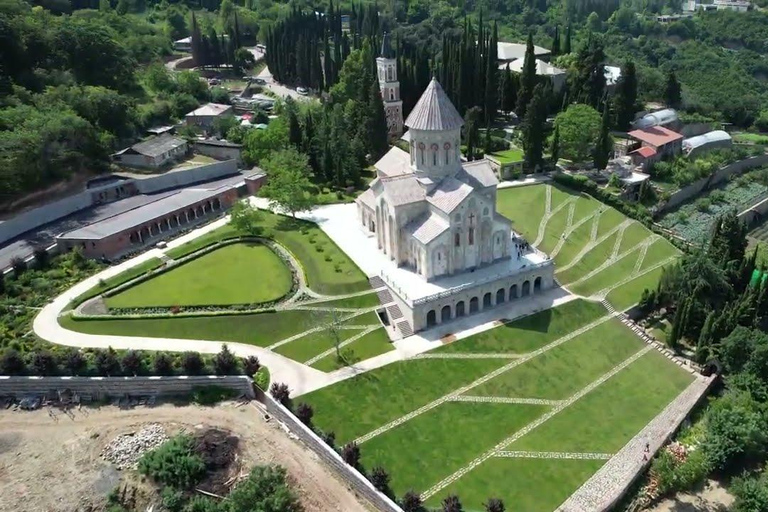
(225, 362)
(261, 379)
(192, 363)
(74, 361)
(106, 362)
(251, 365)
(174, 463)
(305, 412)
(44, 363)
(281, 393)
(350, 452)
(131, 362)
(163, 364)
(11, 363)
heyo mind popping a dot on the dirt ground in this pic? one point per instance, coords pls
(712, 497)
(53, 464)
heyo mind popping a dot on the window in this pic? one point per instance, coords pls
(391, 94)
(485, 211)
(434, 157)
(447, 156)
(457, 240)
(439, 257)
(457, 217)
(471, 236)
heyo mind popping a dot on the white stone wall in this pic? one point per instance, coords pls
(436, 153)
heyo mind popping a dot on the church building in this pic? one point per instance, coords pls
(386, 66)
(434, 217)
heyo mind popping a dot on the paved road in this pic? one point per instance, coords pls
(280, 90)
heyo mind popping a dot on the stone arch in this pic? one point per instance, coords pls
(431, 318)
(513, 292)
(216, 204)
(537, 284)
(487, 300)
(500, 297)
(474, 305)
(526, 288)
(445, 314)
(460, 309)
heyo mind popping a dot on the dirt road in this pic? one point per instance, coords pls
(53, 463)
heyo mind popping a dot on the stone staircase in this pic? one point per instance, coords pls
(611, 309)
(394, 312)
(404, 328)
(376, 282)
(385, 297)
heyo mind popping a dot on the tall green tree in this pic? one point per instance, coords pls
(579, 128)
(288, 184)
(556, 42)
(377, 130)
(471, 131)
(567, 48)
(625, 99)
(555, 149)
(527, 79)
(533, 129)
(604, 144)
(673, 93)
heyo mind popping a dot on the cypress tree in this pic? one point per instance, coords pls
(491, 79)
(527, 79)
(567, 48)
(604, 144)
(196, 42)
(377, 123)
(533, 129)
(626, 96)
(673, 91)
(556, 42)
(555, 151)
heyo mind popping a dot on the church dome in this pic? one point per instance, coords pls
(434, 111)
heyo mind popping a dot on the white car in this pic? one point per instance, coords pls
(302, 90)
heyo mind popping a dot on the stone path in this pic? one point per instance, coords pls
(605, 291)
(594, 216)
(369, 329)
(482, 380)
(611, 260)
(532, 426)
(549, 213)
(607, 485)
(594, 242)
(479, 355)
(321, 327)
(553, 455)
(504, 400)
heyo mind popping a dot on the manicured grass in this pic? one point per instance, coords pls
(243, 273)
(633, 235)
(553, 232)
(609, 219)
(590, 261)
(261, 329)
(608, 417)
(508, 156)
(315, 343)
(531, 332)
(121, 278)
(432, 446)
(524, 206)
(371, 345)
(583, 359)
(609, 276)
(659, 251)
(328, 269)
(629, 293)
(369, 300)
(661, 329)
(525, 485)
(575, 242)
(358, 405)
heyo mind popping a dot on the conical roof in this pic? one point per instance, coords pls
(386, 47)
(434, 111)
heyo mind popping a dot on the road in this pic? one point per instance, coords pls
(280, 90)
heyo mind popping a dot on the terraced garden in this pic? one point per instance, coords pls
(598, 251)
(512, 412)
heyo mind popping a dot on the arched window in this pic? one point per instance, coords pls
(457, 240)
(485, 211)
(457, 217)
(391, 94)
(447, 148)
(471, 236)
(434, 157)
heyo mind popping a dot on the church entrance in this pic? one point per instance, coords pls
(460, 309)
(431, 318)
(445, 314)
(474, 305)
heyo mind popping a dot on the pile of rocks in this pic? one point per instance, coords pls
(125, 450)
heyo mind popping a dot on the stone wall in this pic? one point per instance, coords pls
(175, 179)
(697, 187)
(118, 386)
(348, 474)
(754, 212)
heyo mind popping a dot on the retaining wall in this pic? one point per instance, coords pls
(118, 386)
(751, 214)
(350, 475)
(697, 187)
(185, 177)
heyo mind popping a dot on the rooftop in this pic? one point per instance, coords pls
(434, 111)
(514, 51)
(156, 146)
(707, 138)
(394, 162)
(386, 47)
(655, 135)
(219, 143)
(645, 151)
(210, 109)
(658, 118)
(542, 68)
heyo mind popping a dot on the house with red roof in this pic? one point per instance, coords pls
(656, 143)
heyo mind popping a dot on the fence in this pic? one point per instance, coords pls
(697, 187)
(100, 387)
(350, 475)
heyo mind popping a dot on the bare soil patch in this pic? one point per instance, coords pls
(711, 497)
(52, 462)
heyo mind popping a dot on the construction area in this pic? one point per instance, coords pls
(98, 447)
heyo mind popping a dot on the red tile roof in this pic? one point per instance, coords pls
(645, 151)
(656, 136)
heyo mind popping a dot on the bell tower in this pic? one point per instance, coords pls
(386, 65)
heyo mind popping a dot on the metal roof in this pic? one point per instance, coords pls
(427, 227)
(478, 174)
(656, 136)
(211, 109)
(164, 205)
(658, 118)
(156, 146)
(394, 162)
(707, 138)
(542, 68)
(513, 51)
(434, 111)
(448, 194)
(400, 190)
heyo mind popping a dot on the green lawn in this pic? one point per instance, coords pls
(328, 269)
(369, 300)
(527, 485)
(629, 293)
(583, 359)
(659, 251)
(358, 405)
(371, 345)
(524, 206)
(553, 232)
(607, 277)
(755, 138)
(425, 450)
(261, 329)
(121, 278)
(633, 235)
(243, 273)
(313, 344)
(508, 156)
(608, 417)
(531, 332)
(590, 261)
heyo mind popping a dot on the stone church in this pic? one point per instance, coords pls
(429, 210)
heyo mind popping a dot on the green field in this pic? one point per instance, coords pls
(598, 252)
(438, 440)
(244, 273)
(370, 345)
(508, 156)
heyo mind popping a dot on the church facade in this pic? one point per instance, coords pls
(434, 215)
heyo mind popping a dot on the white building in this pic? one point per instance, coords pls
(435, 219)
(700, 144)
(207, 114)
(544, 69)
(386, 65)
(665, 117)
(509, 52)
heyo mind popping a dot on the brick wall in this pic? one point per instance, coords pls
(119, 386)
(350, 475)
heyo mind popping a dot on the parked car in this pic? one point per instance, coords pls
(258, 81)
(214, 81)
(302, 90)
